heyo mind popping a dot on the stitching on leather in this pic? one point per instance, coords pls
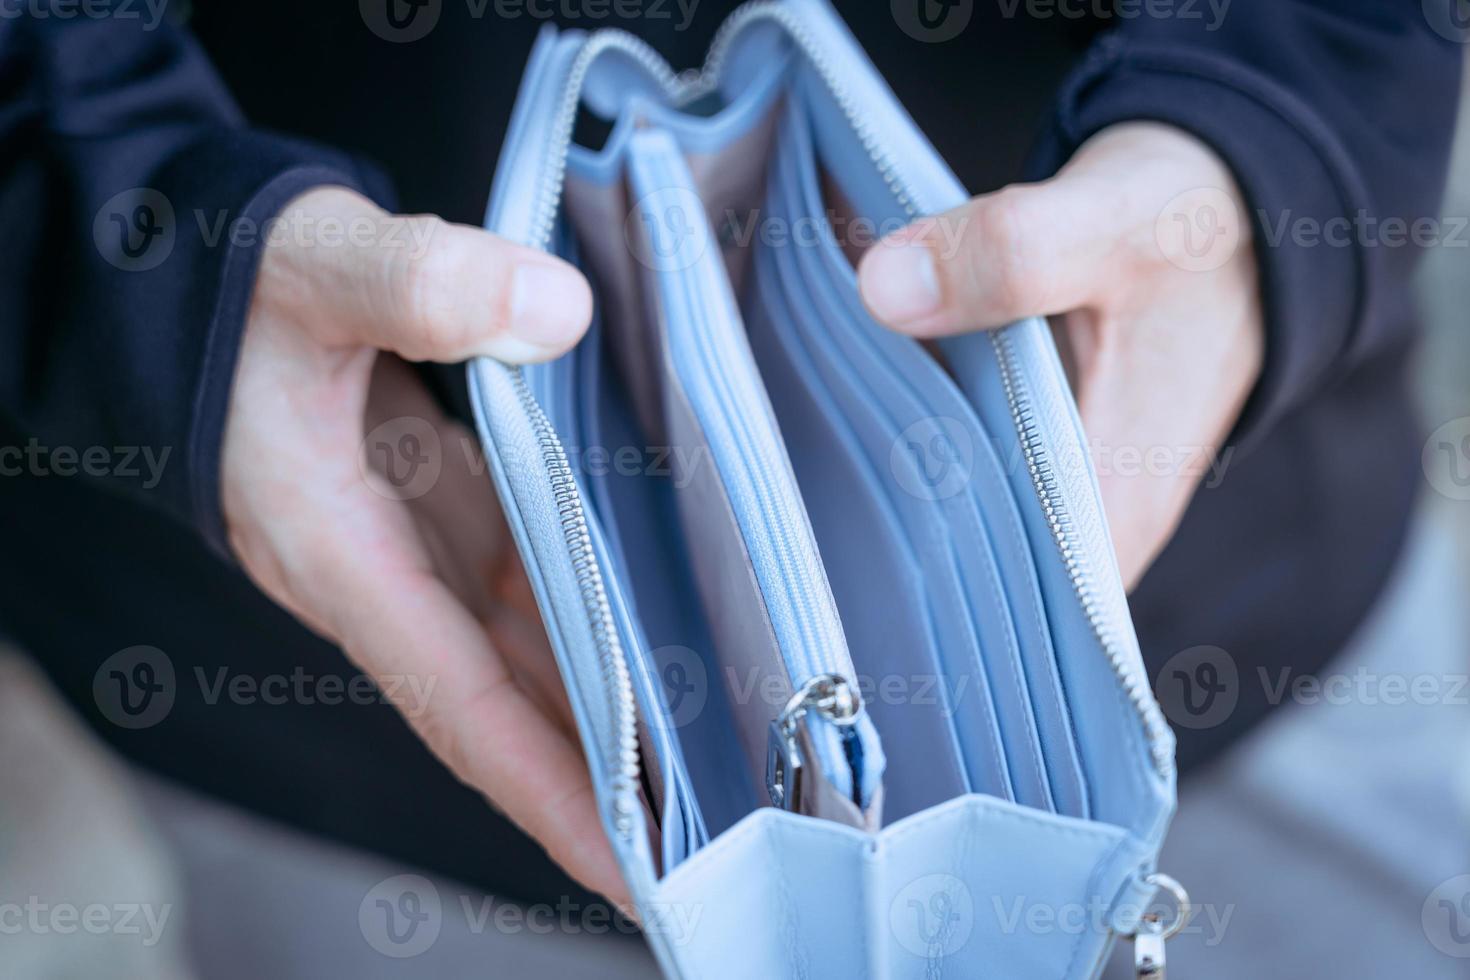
(1094, 887)
(1138, 756)
(1011, 518)
(915, 824)
(789, 911)
(975, 518)
(859, 339)
(1017, 672)
(717, 852)
(795, 830)
(957, 771)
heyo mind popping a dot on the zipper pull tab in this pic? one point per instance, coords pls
(827, 694)
(1148, 949)
(1152, 933)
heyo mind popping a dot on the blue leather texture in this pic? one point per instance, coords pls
(807, 494)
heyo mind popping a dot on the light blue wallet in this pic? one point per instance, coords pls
(837, 613)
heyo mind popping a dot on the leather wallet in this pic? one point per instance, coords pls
(837, 611)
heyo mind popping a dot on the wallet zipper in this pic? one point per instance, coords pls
(683, 87)
(571, 511)
(612, 659)
(1064, 532)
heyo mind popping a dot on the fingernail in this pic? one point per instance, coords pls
(550, 305)
(898, 281)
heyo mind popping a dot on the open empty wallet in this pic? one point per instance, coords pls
(837, 611)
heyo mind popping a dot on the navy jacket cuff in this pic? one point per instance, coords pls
(1291, 170)
(220, 253)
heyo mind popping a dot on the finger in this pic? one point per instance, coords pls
(464, 532)
(1153, 445)
(528, 651)
(456, 511)
(396, 619)
(1028, 250)
(341, 551)
(462, 517)
(422, 287)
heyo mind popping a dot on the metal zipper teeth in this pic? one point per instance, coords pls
(775, 11)
(682, 88)
(613, 661)
(1064, 532)
(617, 680)
(566, 115)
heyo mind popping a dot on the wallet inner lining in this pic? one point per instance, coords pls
(929, 760)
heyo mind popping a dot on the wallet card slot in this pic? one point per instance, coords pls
(886, 597)
(998, 716)
(969, 703)
(631, 487)
(679, 823)
(980, 508)
(765, 590)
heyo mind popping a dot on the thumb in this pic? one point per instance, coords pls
(419, 286)
(1027, 250)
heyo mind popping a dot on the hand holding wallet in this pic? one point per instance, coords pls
(852, 663)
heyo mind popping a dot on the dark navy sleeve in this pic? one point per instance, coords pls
(1336, 117)
(135, 204)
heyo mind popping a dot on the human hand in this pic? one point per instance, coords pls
(1162, 338)
(424, 584)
